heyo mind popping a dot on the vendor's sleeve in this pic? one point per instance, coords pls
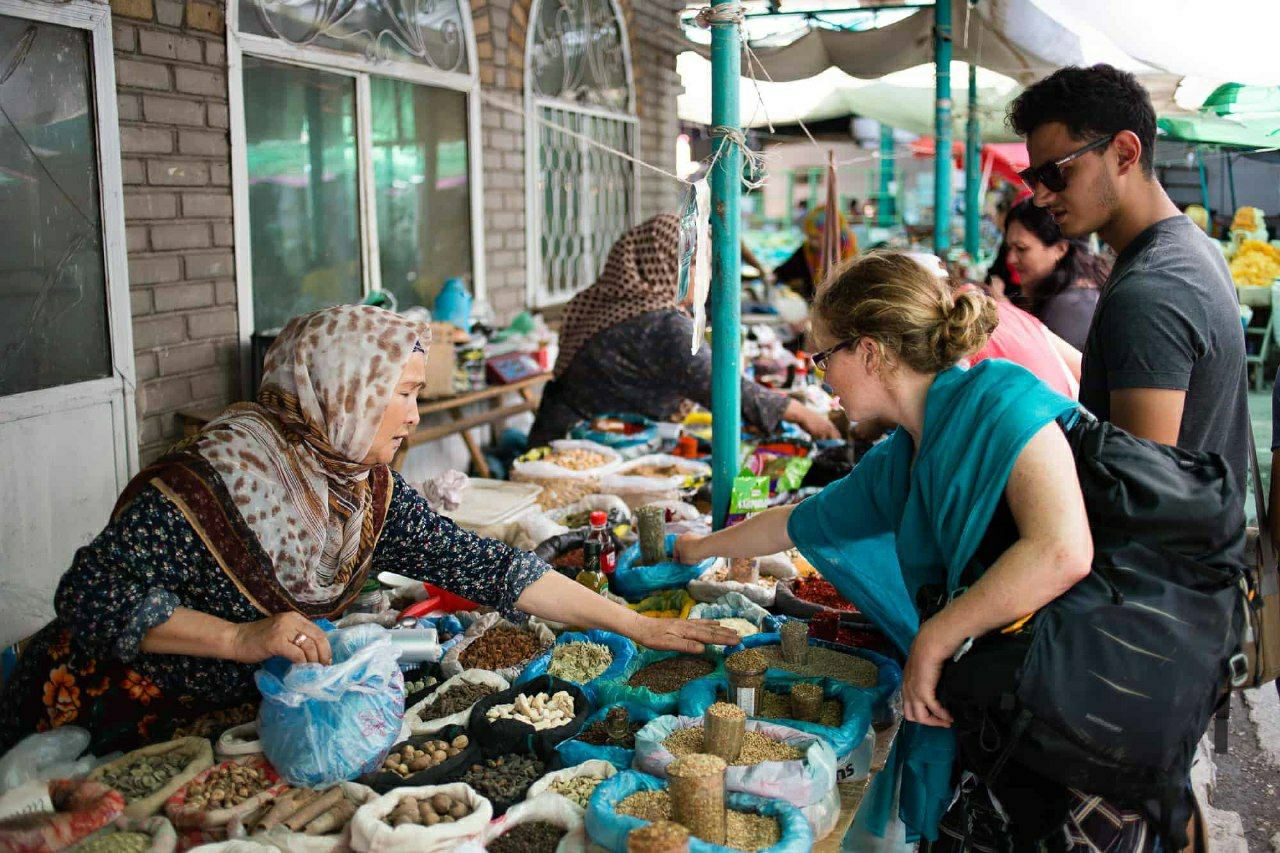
(761, 408)
(418, 543)
(121, 585)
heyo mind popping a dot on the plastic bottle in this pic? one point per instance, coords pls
(600, 533)
(591, 576)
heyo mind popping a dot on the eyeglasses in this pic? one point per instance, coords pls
(821, 358)
(1050, 174)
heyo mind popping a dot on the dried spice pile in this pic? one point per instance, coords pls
(500, 647)
(826, 663)
(756, 748)
(746, 830)
(504, 779)
(579, 662)
(669, 675)
(537, 836)
(819, 591)
(460, 696)
(597, 734)
(577, 788)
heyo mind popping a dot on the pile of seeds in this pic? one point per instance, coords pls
(410, 759)
(576, 459)
(504, 779)
(756, 748)
(227, 786)
(579, 662)
(538, 710)
(459, 697)
(826, 663)
(140, 779)
(429, 811)
(777, 706)
(746, 830)
(597, 734)
(115, 842)
(307, 810)
(536, 836)
(577, 788)
(500, 647)
(670, 674)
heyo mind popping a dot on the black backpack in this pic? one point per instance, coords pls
(1109, 688)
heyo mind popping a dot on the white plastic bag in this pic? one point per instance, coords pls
(639, 490)
(549, 808)
(371, 834)
(46, 755)
(594, 769)
(451, 664)
(413, 717)
(561, 485)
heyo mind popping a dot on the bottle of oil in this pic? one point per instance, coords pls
(591, 575)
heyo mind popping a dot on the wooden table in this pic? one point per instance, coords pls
(191, 420)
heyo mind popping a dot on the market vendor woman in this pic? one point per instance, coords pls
(624, 348)
(220, 554)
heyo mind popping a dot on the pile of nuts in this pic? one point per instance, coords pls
(579, 662)
(670, 674)
(309, 811)
(538, 836)
(419, 685)
(576, 459)
(459, 697)
(141, 778)
(745, 628)
(505, 779)
(227, 786)
(756, 748)
(540, 710)
(428, 811)
(410, 759)
(576, 788)
(500, 647)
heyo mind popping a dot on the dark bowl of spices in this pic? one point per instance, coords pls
(502, 736)
(504, 779)
(455, 698)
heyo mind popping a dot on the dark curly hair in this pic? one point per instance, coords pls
(1092, 102)
(1077, 265)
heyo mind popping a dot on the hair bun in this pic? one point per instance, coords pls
(967, 326)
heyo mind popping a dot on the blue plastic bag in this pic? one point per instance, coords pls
(634, 582)
(622, 648)
(574, 752)
(646, 437)
(609, 829)
(320, 725)
(735, 605)
(612, 691)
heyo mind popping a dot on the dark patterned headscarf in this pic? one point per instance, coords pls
(641, 275)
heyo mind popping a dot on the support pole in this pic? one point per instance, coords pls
(942, 128)
(726, 276)
(1204, 186)
(972, 172)
(885, 202)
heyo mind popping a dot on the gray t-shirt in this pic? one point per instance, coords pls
(1169, 318)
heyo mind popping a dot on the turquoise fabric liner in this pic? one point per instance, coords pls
(893, 525)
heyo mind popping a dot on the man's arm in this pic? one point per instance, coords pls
(1153, 413)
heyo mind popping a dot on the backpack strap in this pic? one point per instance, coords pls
(1267, 577)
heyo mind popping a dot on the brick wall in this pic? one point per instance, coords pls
(171, 80)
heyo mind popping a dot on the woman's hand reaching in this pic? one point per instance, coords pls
(681, 635)
(289, 635)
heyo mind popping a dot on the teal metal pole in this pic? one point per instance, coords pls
(942, 128)
(885, 202)
(1204, 183)
(726, 269)
(972, 172)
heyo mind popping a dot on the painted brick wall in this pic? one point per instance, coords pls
(171, 81)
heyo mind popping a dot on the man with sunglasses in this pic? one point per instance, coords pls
(1164, 358)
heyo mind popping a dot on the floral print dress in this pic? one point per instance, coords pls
(86, 669)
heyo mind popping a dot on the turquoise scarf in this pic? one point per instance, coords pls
(892, 526)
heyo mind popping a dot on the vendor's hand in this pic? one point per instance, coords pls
(920, 680)
(254, 642)
(819, 426)
(681, 635)
(688, 550)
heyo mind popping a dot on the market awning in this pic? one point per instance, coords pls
(1210, 129)
(1001, 159)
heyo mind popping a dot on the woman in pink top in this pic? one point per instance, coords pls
(1024, 340)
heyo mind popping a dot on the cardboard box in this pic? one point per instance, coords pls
(440, 362)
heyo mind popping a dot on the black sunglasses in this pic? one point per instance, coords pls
(1050, 174)
(821, 358)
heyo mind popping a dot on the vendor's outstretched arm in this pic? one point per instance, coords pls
(553, 596)
(761, 534)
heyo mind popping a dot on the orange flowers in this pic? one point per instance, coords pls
(61, 697)
(140, 688)
(60, 647)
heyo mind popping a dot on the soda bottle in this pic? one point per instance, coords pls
(600, 533)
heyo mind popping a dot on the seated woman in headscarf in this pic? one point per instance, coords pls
(803, 270)
(624, 347)
(979, 471)
(220, 554)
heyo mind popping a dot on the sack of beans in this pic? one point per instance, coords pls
(758, 581)
(574, 784)
(498, 645)
(425, 760)
(633, 580)
(450, 704)
(609, 735)
(534, 826)
(583, 658)
(633, 799)
(149, 776)
(529, 718)
(325, 724)
(429, 819)
(776, 762)
(567, 470)
(124, 835)
(654, 679)
(844, 716)
(79, 809)
(223, 792)
(309, 821)
(737, 611)
(657, 477)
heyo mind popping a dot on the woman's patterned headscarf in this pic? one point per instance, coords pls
(641, 275)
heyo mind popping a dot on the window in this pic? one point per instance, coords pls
(358, 175)
(581, 197)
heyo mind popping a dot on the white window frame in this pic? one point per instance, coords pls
(536, 290)
(360, 69)
(120, 388)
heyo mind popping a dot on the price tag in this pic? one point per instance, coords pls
(747, 700)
